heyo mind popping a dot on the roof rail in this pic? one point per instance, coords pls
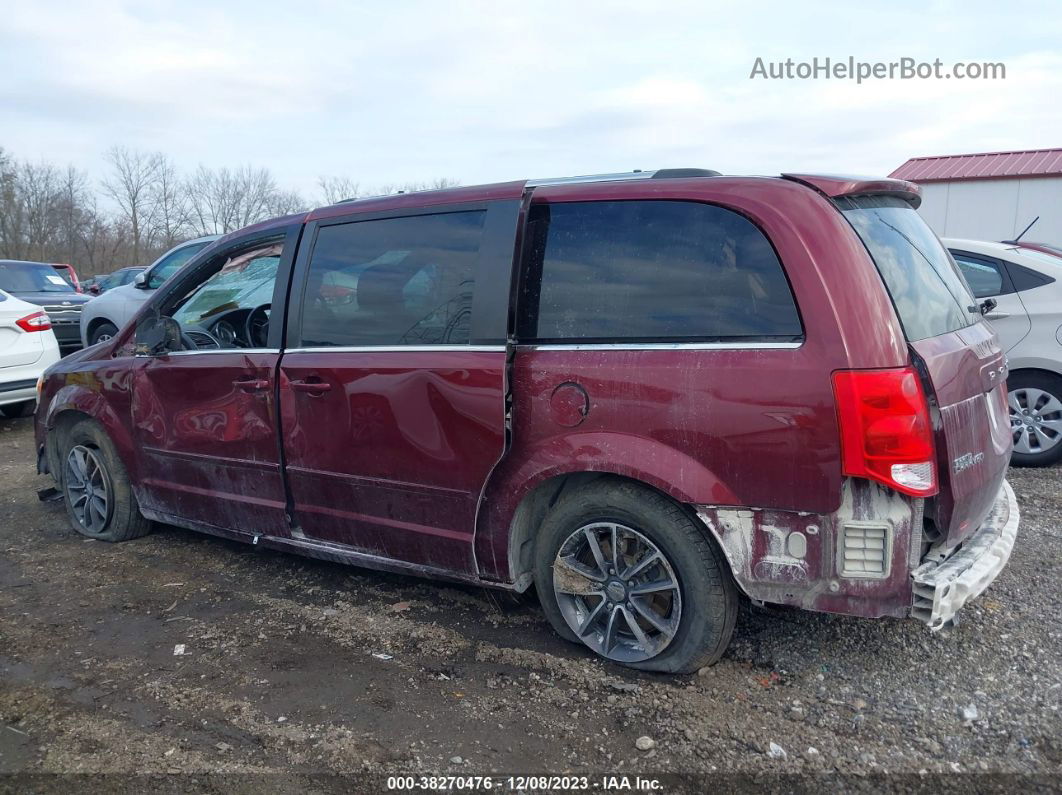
(663, 173)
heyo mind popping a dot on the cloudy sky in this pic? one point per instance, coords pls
(387, 92)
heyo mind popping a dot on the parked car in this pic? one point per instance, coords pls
(109, 312)
(38, 283)
(684, 387)
(1027, 316)
(98, 285)
(69, 274)
(27, 348)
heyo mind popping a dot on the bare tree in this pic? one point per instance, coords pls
(223, 200)
(12, 233)
(336, 189)
(39, 189)
(412, 187)
(169, 205)
(54, 215)
(132, 186)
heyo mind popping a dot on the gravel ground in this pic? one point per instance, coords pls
(307, 667)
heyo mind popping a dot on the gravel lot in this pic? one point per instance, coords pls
(308, 667)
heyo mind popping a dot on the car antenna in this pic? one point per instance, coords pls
(1023, 231)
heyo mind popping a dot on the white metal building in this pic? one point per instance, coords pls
(992, 195)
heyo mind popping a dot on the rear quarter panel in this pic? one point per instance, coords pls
(731, 427)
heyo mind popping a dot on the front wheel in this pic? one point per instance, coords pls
(1035, 402)
(103, 332)
(96, 490)
(630, 574)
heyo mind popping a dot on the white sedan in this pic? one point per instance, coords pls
(27, 348)
(1026, 286)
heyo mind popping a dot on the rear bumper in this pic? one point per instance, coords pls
(942, 588)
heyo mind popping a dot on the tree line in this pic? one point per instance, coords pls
(142, 206)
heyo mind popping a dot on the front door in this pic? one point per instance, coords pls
(393, 388)
(204, 418)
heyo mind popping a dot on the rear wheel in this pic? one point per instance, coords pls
(628, 573)
(95, 486)
(103, 332)
(1035, 402)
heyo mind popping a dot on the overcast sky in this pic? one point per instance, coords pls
(388, 92)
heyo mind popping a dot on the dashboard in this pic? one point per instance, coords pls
(246, 327)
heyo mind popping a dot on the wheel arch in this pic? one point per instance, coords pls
(75, 402)
(517, 499)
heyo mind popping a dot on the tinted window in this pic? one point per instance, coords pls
(172, 263)
(983, 276)
(929, 294)
(652, 271)
(396, 281)
(32, 277)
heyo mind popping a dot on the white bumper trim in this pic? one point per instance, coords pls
(941, 589)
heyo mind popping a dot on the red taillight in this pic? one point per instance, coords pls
(38, 321)
(885, 429)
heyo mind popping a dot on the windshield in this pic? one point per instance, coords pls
(32, 277)
(172, 263)
(244, 282)
(930, 295)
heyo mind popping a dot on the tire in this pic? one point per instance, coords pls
(14, 411)
(1035, 402)
(120, 518)
(698, 612)
(104, 331)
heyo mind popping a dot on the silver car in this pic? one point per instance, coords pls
(103, 316)
(1026, 287)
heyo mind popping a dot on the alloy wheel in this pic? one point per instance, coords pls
(617, 591)
(1035, 420)
(87, 489)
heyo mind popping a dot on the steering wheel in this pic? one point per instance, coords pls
(256, 328)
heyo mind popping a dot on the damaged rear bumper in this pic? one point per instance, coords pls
(941, 588)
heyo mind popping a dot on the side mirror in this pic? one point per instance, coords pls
(94, 289)
(988, 305)
(157, 335)
(140, 280)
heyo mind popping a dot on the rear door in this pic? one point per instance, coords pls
(957, 352)
(988, 278)
(393, 383)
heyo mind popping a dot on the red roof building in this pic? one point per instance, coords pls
(990, 195)
(985, 165)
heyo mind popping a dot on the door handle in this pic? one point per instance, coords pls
(311, 387)
(993, 315)
(251, 384)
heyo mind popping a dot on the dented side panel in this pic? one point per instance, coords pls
(205, 429)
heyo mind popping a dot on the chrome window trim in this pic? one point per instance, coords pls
(663, 346)
(211, 351)
(398, 349)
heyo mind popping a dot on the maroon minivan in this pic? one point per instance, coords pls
(645, 394)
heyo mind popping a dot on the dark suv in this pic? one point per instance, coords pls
(645, 394)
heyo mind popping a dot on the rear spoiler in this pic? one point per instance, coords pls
(834, 186)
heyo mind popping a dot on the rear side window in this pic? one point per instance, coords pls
(664, 271)
(929, 294)
(984, 276)
(394, 281)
